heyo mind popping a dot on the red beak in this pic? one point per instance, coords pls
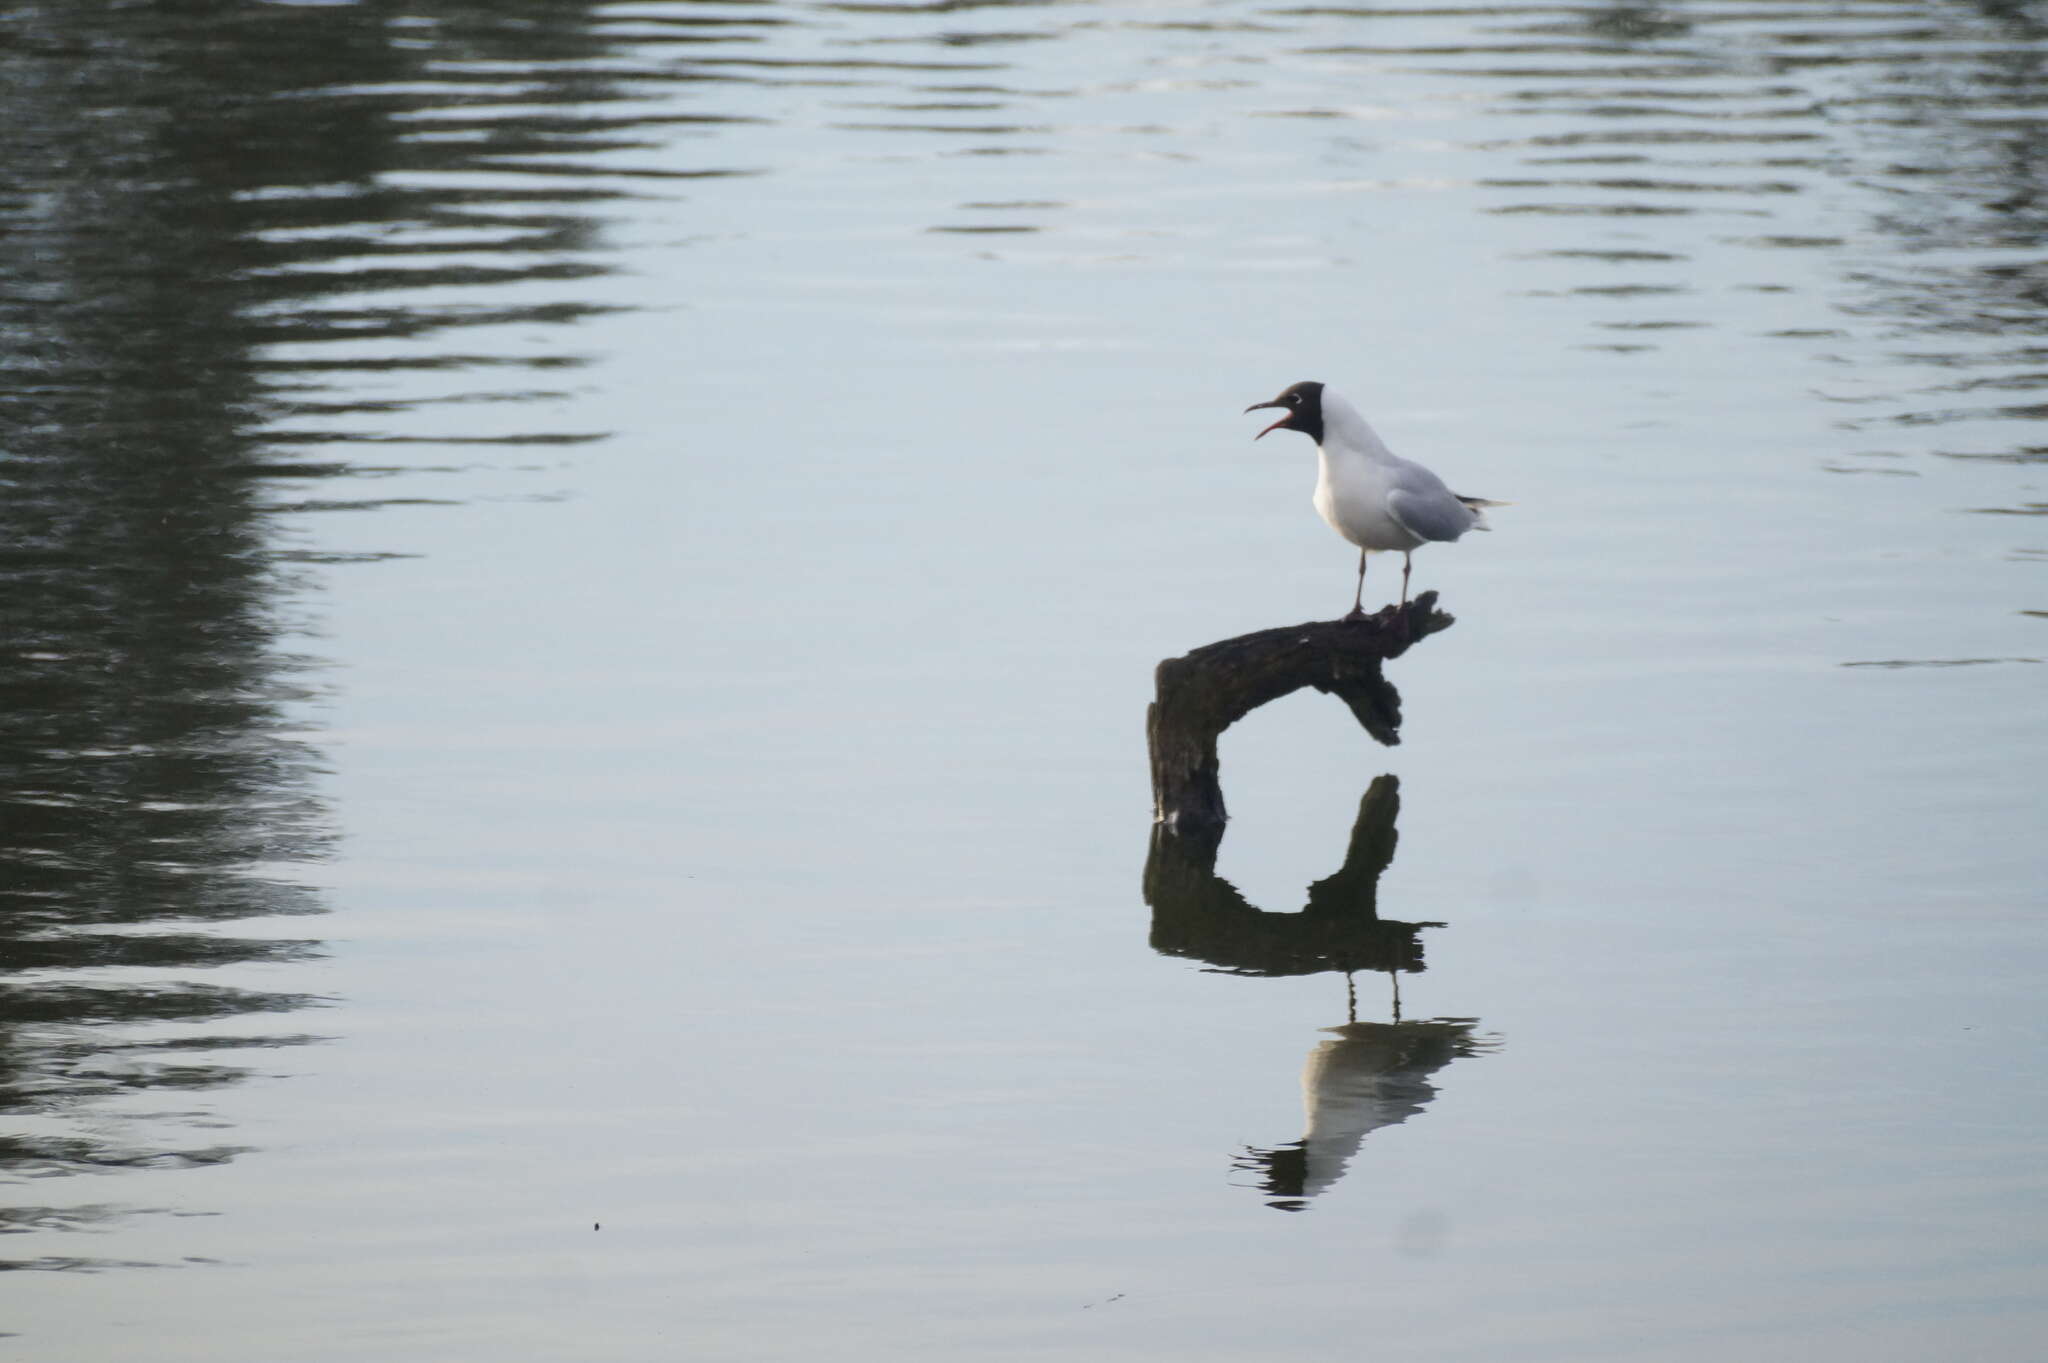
(1276, 425)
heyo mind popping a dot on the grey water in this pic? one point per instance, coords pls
(578, 590)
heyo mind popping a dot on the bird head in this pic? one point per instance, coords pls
(1303, 405)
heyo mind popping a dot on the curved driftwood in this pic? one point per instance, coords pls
(1205, 692)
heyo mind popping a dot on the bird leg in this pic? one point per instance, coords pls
(1358, 598)
(1407, 562)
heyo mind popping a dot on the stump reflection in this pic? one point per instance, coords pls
(1196, 913)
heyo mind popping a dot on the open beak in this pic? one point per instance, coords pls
(1276, 425)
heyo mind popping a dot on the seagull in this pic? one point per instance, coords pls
(1368, 494)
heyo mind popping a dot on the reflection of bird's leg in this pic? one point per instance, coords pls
(1395, 977)
(1358, 599)
(1350, 998)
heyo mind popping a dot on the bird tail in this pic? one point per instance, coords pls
(1478, 504)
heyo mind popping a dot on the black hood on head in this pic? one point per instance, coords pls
(1303, 403)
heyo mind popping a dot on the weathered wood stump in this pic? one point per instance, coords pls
(1202, 693)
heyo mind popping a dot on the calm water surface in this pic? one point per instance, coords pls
(578, 586)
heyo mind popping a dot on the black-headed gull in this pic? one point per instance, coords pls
(1368, 494)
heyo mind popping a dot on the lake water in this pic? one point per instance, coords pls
(578, 590)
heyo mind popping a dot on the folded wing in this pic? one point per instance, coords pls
(1431, 514)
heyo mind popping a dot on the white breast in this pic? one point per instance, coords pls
(1351, 494)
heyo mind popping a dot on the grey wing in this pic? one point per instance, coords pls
(1432, 513)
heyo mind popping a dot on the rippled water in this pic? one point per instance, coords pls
(673, 875)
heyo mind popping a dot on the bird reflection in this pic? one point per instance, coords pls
(1373, 1074)
(1370, 1074)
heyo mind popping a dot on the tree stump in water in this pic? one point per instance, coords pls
(1204, 692)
